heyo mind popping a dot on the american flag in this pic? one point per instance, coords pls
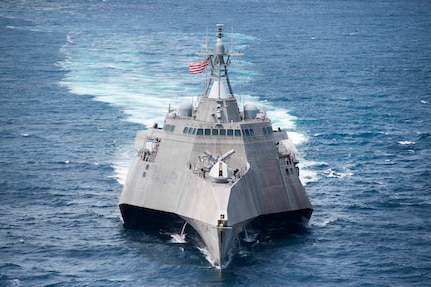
(198, 67)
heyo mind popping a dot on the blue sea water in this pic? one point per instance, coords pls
(350, 80)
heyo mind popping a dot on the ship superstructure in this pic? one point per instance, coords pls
(215, 166)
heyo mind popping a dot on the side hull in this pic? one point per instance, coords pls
(281, 223)
(218, 239)
(149, 219)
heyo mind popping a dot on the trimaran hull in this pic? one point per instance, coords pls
(216, 167)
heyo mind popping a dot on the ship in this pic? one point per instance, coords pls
(215, 166)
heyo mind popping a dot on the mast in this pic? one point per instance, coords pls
(219, 60)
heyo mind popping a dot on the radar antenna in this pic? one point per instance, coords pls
(219, 60)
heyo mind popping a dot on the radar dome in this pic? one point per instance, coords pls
(185, 109)
(250, 111)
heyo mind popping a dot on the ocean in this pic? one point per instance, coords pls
(349, 80)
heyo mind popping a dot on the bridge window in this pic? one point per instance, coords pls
(200, 132)
(207, 132)
(237, 133)
(230, 132)
(215, 132)
(166, 128)
(172, 128)
(185, 130)
(223, 132)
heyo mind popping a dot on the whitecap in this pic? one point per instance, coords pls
(178, 238)
(297, 138)
(308, 170)
(406, 142)
(323, 222)
(208, 256)
(307, 176)
(122, 161)
(211, 260)
(336, 174)
(69, 38)
(15, 282)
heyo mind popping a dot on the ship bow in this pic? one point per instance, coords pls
(218, 239)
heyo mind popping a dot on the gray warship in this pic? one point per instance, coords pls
(215, 167)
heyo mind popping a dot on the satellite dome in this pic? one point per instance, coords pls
(250, 111)
(185, 109)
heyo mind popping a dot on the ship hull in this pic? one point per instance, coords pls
(216, 167)
(217, 238)
(145, 218)
(149, 219)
